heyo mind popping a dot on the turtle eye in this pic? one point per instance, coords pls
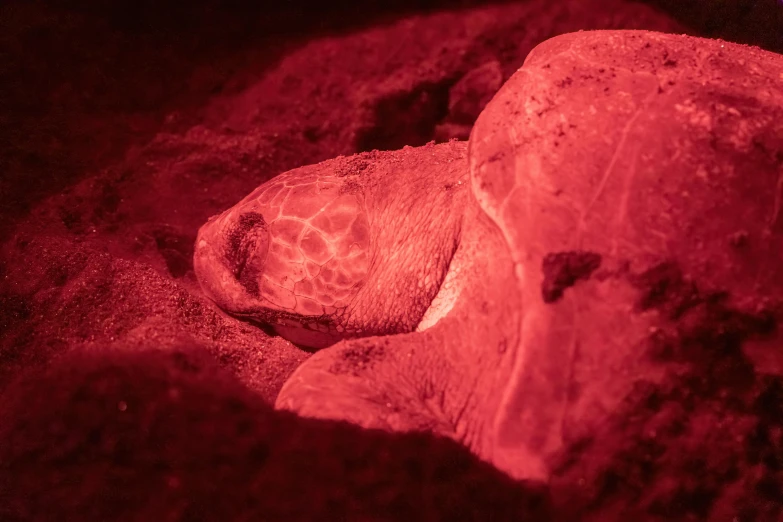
(247, 247)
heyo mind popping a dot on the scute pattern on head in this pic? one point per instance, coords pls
(319, 242)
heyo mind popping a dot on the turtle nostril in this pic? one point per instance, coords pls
(248, 244)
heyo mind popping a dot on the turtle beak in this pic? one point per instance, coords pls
(228, 259)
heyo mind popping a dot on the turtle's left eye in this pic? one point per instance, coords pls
(247, 247)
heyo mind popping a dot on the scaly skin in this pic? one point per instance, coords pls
(349, 247)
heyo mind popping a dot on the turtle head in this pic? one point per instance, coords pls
(292, 254)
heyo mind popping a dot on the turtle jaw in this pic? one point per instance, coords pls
(307, 338)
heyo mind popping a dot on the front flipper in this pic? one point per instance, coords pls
(377, 382)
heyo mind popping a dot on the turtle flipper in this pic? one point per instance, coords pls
(377, 382)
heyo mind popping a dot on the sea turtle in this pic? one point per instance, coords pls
(622, 187)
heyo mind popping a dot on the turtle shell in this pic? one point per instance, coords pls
(637, 178)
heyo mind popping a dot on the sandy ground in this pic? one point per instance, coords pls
(126, 395)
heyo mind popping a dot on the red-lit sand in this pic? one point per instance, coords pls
(121, 143)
